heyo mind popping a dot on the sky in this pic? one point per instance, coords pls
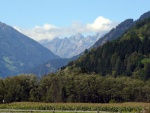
(47, 19)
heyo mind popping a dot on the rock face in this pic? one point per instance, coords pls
(69, 47)
(18, 52)
(115, 32)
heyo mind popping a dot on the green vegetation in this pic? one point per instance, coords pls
(127, 56)
(71, 86)
(77, 107)
(116, 72)
(44, 111)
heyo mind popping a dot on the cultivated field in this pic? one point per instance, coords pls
(38, 107)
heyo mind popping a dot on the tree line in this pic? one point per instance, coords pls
(74, 87)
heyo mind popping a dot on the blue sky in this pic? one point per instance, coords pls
(57, 15)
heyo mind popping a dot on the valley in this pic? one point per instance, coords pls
(98, 67)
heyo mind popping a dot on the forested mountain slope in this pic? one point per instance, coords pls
(114, 33)
(129, 55)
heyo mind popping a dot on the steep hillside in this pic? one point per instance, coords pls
(129, 55)
(119, 30)
(51, 66)
(18, 52)
(114, 33)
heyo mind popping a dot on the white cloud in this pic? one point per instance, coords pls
(38, 33)
(100, 24)
(48, 31)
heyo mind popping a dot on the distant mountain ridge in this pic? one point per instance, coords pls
(115, 32)
(18, 52)
(69, 47)
(119, 30)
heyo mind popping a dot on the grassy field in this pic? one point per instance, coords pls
(43, 111)
(36, 107)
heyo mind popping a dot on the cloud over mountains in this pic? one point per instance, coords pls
(48, 31)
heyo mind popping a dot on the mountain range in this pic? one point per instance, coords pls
(21, 54)
(70, 46)
(113, 34)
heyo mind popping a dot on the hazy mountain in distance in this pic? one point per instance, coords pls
(50, 66)
(18, 52)
(69, 47)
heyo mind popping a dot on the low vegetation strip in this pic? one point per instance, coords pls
(44, 111)
(112, 107)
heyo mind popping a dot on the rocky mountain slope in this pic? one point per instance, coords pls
(69, 47)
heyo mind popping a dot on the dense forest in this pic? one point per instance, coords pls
(74, 87)
(118, 71)
(129, 55)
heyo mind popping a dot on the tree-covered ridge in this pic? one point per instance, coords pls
(141, 29)
(115, 32)
(124, 56)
